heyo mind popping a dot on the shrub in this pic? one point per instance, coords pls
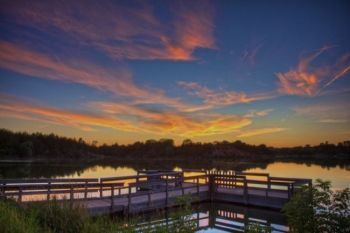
(319, 209)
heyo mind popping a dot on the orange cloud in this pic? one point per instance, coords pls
(255, 132)
(125, 118)
(305, 81)
(117, 80)
(123, 31)
(221, 98)
(162, 122)
(10, 107)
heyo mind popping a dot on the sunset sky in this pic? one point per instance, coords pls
(273, 72)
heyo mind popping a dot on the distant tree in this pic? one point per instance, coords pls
(187, 142)
(25, 149)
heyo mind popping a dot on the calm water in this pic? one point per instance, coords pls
(339, 175)
(220, 217)
(209, 218)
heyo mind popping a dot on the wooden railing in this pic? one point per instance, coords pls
(146, 185)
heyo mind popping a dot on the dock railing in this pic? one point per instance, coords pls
(166, 184)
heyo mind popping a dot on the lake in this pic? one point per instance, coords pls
(209, 218)
(339, 175)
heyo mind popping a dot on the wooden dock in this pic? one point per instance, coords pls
(148, 191)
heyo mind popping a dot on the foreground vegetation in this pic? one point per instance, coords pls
(55, 217)
(25, 145)
(319, 210)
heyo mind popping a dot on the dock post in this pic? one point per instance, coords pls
(48, 191)
(129, 197)
(245, 191)
(197, 180)
(86, 189)
(101, 189)
(112, 196)
(20, 195)
(211, 187)
(149, 198)
(166, 191)
(182, 189)
(71, 195)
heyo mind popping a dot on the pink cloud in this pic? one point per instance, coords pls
(220, 97)
(117, 81)
(121, 31)
(307, 80)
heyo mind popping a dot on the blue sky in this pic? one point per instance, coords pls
(273, 72)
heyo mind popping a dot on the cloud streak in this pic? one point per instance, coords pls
(256, 132)
(12, 107)
(124, 117)
(120, 30)
(175, 123)
(117, 81)
(305, 80)
(221, 98)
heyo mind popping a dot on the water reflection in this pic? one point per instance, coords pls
(338, 174)
(223, 217)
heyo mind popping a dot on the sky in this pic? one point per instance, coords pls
(272, 72)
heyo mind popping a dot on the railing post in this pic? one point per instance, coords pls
(166, 191)
(149, 198)
(112, 196)
(3, 189)
(211, 186)
(268, 182)
(197, 186)
(129, 197)
(101, 189)
(48, 190)
(245, 190)
(20, 195)
(86, 189)
(288, 191)
(71, 193)
(182, 189)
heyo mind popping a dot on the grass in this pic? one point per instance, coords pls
(55, 217)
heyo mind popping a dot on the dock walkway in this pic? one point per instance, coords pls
(157, 190)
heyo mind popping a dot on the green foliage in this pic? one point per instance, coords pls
(14, 220)
(319, 209)
(61, 217)
(257, 228)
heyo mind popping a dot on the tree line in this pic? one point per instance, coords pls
(25, 145)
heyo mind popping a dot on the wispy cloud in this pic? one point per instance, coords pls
(333, 121)
(125, 118)
(327, 112)
(120, 30)
(117, 81)
(307, 80)
(216, 98)
(17, 108)
(249, 55)
(256, 132)
(180, 124)
(259, 113)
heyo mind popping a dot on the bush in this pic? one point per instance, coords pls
(319, 209)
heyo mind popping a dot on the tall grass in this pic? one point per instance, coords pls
(61, 217)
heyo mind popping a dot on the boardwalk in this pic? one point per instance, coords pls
(149, 191)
